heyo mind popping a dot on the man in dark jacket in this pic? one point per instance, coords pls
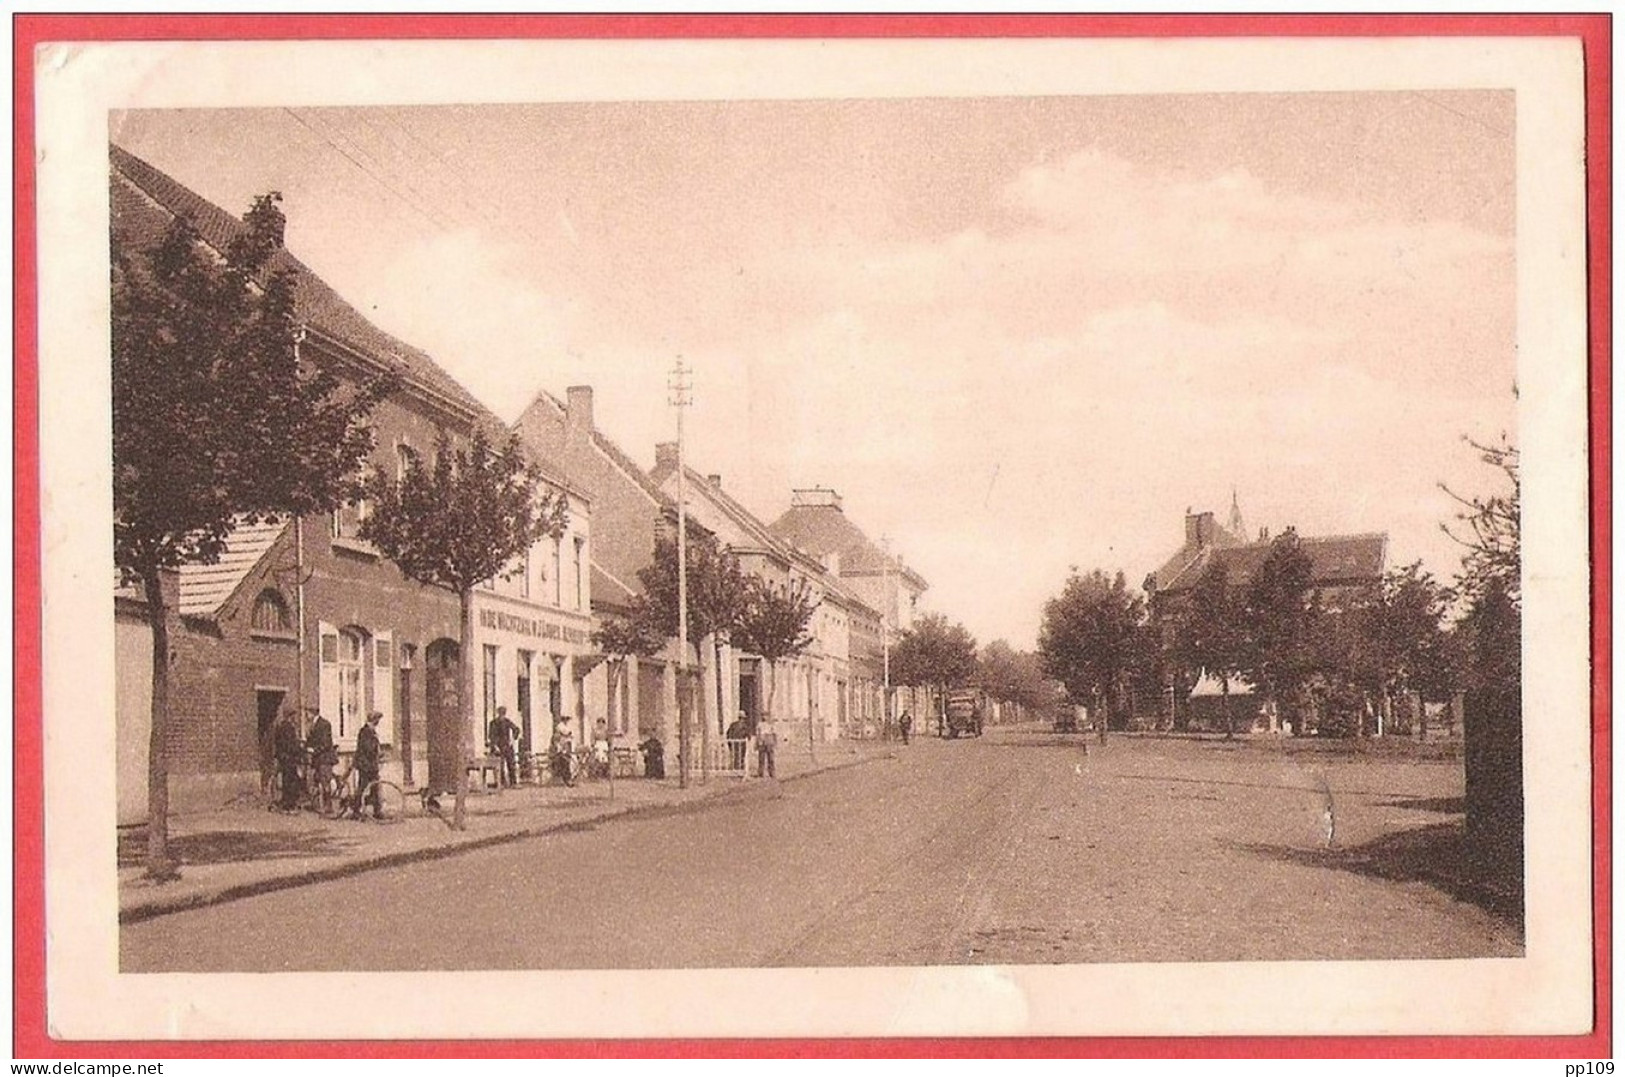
(365, 764)
(500, 734)
(324, 755)
(290, 758)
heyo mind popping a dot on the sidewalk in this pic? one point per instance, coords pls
(244, 850)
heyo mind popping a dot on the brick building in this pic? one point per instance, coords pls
(637, 696)
(1345, 570)
(300, 612)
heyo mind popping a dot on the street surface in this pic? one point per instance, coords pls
(1017, 848)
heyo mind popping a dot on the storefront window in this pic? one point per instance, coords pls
(490, 681)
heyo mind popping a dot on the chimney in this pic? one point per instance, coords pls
(815, 497)
(666, 455)
(832, 562)
(1199, 529)
(578, 415)
(714, 480)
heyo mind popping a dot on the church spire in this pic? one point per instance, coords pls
(1234, 525)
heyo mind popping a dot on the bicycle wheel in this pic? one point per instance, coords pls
(391, 798)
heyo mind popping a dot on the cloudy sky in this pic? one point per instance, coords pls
(1016, 334)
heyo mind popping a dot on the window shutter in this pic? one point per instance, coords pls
(327, 693)
(383, 684)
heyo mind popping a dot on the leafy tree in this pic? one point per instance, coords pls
(716, 601)
(1211, 637)
(1413, 645)
(1015, 677)
(935, 654)
(775, 625)
(1490, 640)
(1279, 622)
(464, 519)
(1089, 640)
(217, 421)
(1490, 528)
(627, 636)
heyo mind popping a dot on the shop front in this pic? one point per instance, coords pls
(533, 662)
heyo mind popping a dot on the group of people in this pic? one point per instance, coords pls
(319, 752)
(738, 735)
(502, 738)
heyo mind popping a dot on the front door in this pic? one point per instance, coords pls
(445, 713)
(403, 708)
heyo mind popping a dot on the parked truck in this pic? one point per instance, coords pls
(964, 708)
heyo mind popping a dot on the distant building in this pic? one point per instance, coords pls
(817, 522)
(1344, 570)
(812, 691)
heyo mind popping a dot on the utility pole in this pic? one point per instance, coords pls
(680, 385)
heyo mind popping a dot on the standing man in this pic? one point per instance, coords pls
(905, 723)
(367, 751)
(290, 757)
(737, 734)
(767, 738)
(324, 756)
(500, 736)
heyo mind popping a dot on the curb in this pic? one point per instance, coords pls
(182, 903)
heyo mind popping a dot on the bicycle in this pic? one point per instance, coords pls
(391, 798)
(319, 790)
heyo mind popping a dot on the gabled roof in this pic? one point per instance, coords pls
(1333, 559)
(1193, 559)
(611, 451)
(609, 589)
(205, 588)
(823, 529)
(742, 517)
(147, 200)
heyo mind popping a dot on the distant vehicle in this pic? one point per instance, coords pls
(964, 713)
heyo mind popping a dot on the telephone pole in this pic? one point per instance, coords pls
(680, 386)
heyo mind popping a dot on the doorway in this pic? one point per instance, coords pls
(267, 705)
(445, 713)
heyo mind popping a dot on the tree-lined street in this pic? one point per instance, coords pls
(1021, 847)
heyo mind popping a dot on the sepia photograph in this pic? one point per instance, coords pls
(967, 549)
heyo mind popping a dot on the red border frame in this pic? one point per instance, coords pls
(30, 1036)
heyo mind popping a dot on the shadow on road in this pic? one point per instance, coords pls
(231, 846)
(1434, 855)
(1441, 805)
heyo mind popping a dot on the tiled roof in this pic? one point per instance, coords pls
(205, 587)
(142, 207)
(739, 514)
(824, 529)
(607, 588)
(1333, 559)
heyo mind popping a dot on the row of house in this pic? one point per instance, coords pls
(302, 613)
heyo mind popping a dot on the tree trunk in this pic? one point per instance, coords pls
(159, 612)
(465, 635)
(1224, 707)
